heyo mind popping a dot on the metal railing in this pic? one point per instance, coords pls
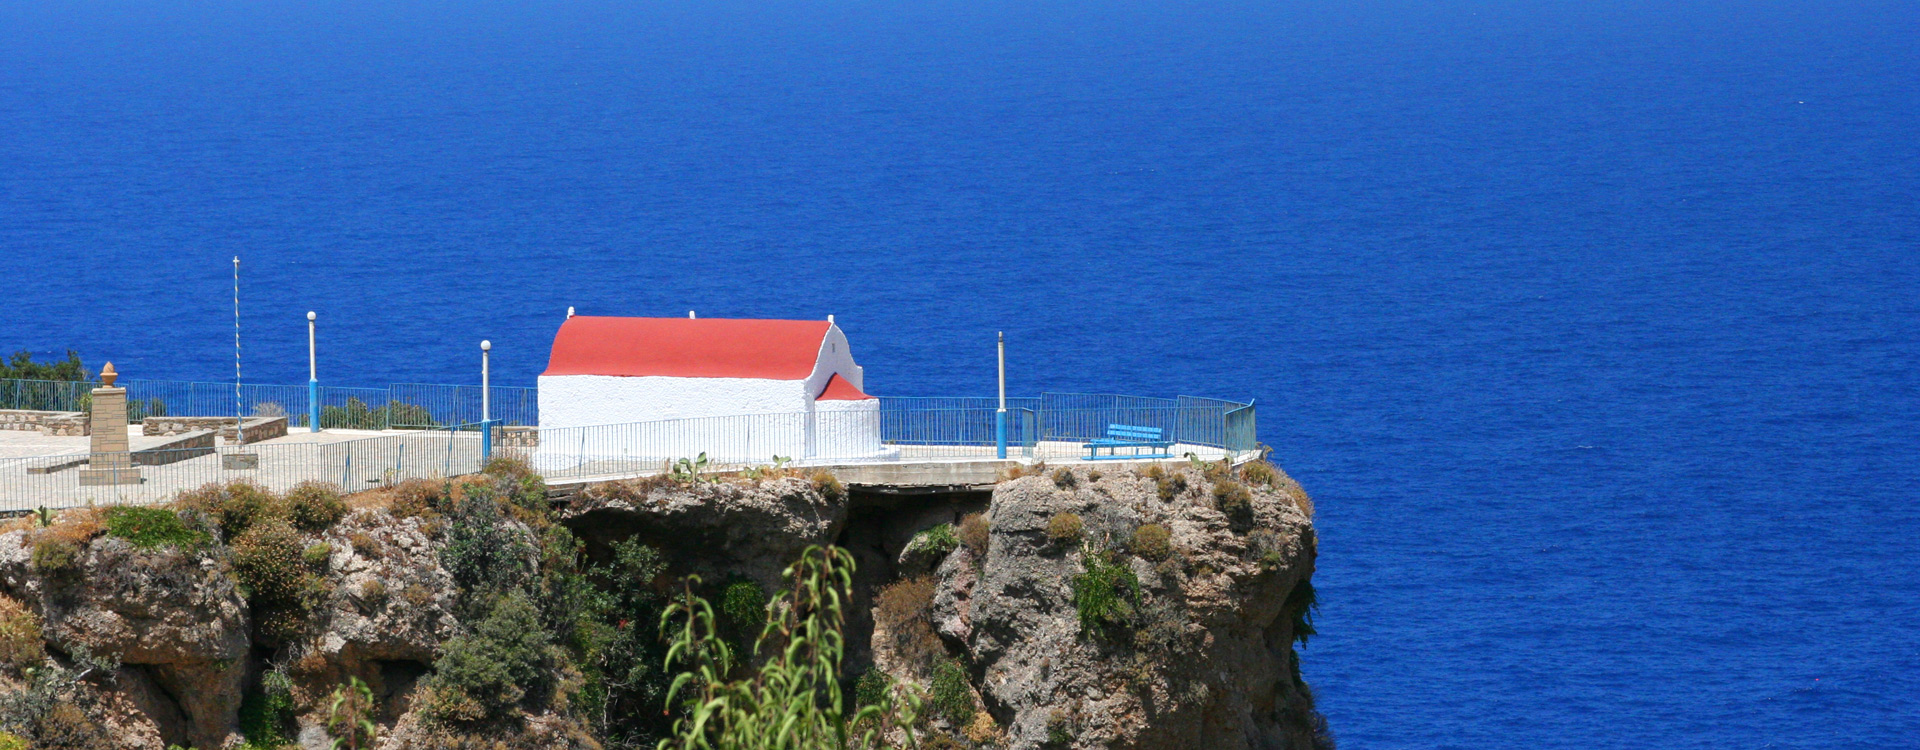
(55, 481)
(399, 406)
(1052, 426)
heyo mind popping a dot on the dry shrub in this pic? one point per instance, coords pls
(418, 498)
(1267, 546)
(364, 544)
(1064, 479)
(1021, 470)
(76, 525)
(57, 548)
(417, 595)
(828, 485)
(905, 611)
(20, 637)
(975, 533)
(1264, 472)
(1154, 472)
(1232, 499)
(1152, 541)
(1064, 528)
(982, 730)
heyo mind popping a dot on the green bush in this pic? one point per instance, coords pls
(1105, 594)
(235, 506)
(148, 528)
(1059, 729)
(1302, 602)
(266, 713)
(315, 506)
(271, 565)
(1153, 541)
(268, 562)
(871, 689)
(507, 659)
(485, 554)
(1064, 528)
(54, 556)
(21, 644)
(828, 485)
(936, 542)
(743, 610)
(316, 556)
(952, 697)
(11, 741)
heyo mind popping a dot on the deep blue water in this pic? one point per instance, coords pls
(1594, 330)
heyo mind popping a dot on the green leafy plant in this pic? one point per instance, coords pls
(1105, 594)
(149, 528)
(691, 470)
(794, 699)
(350, 717)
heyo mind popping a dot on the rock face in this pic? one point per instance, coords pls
(391, 606)
(1205, 659)
(715, 529)
(174, 619)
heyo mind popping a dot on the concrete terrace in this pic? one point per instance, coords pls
(361, 459)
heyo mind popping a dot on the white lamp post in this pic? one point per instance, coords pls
(313, 379)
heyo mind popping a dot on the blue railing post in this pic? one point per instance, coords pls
(1000, 433)
(486, 440)
(313, 405)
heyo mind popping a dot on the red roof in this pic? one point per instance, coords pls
(687, 347)
(838, 389)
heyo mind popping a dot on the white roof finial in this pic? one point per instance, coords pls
(829, 317)
(569, 311)
(689, 315)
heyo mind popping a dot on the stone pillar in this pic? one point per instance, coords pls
(111, 462)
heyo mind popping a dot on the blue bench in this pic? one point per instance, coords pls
(1129, 436)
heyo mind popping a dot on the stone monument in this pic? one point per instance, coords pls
(110, 462)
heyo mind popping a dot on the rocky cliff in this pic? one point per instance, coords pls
(1067, 609)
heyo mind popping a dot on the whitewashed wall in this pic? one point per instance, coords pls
(847, 429)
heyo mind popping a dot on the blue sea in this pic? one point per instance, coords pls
(1594, 328)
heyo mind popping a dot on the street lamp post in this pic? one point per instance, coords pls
(1000, 417)
(486, 403)
(313, 379)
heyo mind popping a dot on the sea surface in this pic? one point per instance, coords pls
(1594, 328)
